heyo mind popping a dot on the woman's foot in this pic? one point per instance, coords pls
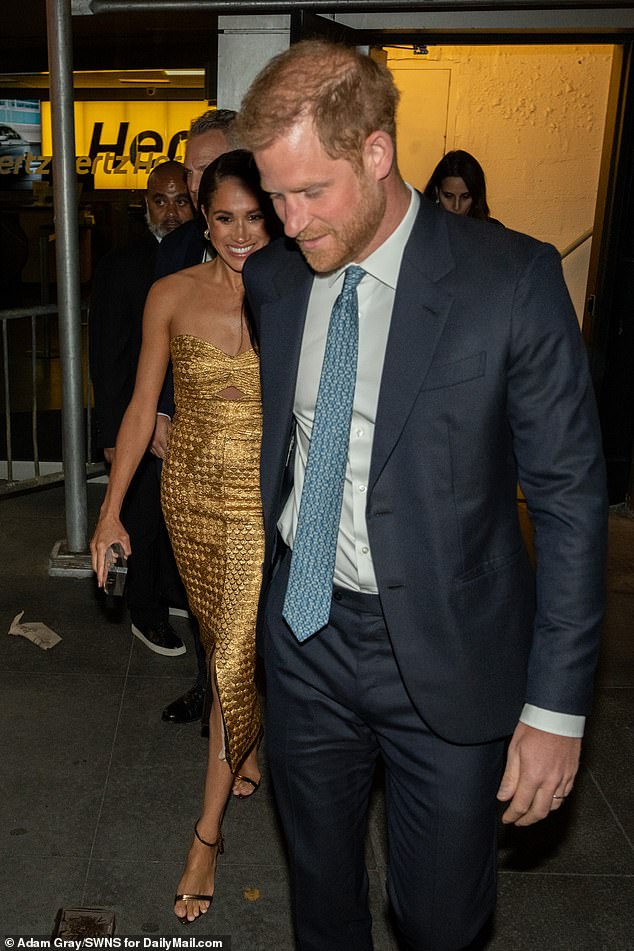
(248, 777)
(195, 890)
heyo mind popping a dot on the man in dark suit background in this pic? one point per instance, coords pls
(120, 285)
(210, 135)
(437, 642)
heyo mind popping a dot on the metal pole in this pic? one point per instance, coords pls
(58, 21)
(7, 400)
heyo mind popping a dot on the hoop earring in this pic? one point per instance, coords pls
(206, 234)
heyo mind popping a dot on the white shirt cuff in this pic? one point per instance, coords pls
(563, 724)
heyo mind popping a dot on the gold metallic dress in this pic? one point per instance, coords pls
(211, 501)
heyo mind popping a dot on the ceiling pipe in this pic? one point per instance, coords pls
(237, 7)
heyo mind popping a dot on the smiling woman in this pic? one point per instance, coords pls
(210, 484)
(233, 213)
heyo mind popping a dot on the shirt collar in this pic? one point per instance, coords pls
(384, 264)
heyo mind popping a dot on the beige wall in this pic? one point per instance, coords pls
(534, 118)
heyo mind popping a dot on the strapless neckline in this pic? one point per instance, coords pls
(230, 356)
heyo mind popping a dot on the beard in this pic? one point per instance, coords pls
(350, 238)
(160, 230)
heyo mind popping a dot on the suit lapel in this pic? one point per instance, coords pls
(282, 326)
(420, 311)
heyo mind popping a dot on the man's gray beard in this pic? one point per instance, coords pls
(154, 229)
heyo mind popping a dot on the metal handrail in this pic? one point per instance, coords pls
(11, 484)
(576, 244)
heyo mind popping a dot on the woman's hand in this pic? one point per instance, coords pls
(109, 530)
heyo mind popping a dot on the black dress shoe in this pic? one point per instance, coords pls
(187, 708)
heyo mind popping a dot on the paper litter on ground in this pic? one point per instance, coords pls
(35, 631)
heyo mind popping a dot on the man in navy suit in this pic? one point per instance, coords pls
(441, 642)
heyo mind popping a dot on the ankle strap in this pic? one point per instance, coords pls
(211, 845)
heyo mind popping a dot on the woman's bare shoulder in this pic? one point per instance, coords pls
(168, 289)
(180, 282)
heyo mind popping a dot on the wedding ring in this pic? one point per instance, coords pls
(559, 797)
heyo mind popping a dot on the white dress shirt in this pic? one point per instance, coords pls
(354, 568)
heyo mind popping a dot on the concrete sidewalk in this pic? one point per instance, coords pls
(98, 796)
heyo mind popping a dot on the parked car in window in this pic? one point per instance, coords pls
(11, 142)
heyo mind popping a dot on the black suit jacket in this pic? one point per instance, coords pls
(179, 249)
(120, 285)
(485, 382)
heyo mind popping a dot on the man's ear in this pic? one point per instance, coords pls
(378, 154)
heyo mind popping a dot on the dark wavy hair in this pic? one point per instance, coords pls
(238, 164)
(460, 164)
(241, 165)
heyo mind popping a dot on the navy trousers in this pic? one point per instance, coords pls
(334, 705)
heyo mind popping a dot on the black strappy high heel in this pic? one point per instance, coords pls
(187, 896)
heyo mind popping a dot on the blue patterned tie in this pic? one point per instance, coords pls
(309, 590)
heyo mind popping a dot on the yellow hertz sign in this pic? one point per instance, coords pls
(119, 142)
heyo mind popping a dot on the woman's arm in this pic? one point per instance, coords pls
(137, 426)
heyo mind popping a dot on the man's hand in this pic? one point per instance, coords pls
(539, 766)
(158, 446)
(108, 455)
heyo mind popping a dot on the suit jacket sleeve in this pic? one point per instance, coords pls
(168, 260)
(166, 404)
(557, 444)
